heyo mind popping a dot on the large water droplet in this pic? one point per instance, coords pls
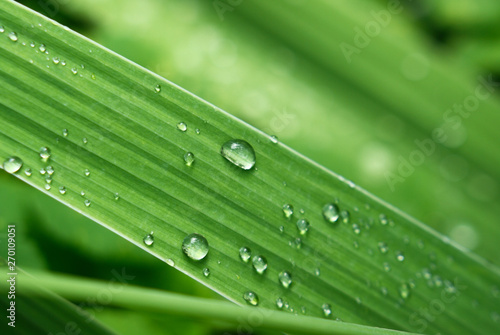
(285, 279)
(12, 164)
(288, 210)
(13, 36)
(44, 153)
(260, 264)
(303, 226)
(251, 298)
(149, 239)
(327, 310)
(189, 158)
(240, 153)
(195, 246)
(182, 126)
(245, 254)
(331, 213)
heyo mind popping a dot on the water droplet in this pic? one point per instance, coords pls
(274, 139)
(288, 210)
(32, 44)
(2, 29)
(74, 70)
(302, 211)
(149, 239)
(27, 172)
(62, 190)
(197, 131)
(285, 279)
(279, 303)
(44, 153)
(245, 254)
(327, 310)
(356, 229)
(383, 219)
(303, 309)
(12, 164)
(157, 88)
(259, 264)
(170, 262)
(251, 298)
(384, 290)
(404, 291)
(48, 187)
(87, 202)
(206, 272)
(56, 60)
(387, 267)
(400, 256)
(317, 272)
(359, 301)
(117, 196)
(282, 229)
(13, 36)
(345, 216)
(189, 158)
(383, 247)
(331, 213)
(85, 140)
(86, 172)
(42, 48)
(298, 243)
(303, 226)
(195, 246)
(50, 170)
(82, 193)
(240, 153)
(65, 132)
(182, 126)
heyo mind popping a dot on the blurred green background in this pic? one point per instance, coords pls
(353, 85)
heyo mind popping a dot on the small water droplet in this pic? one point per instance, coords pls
(317, 272)
(48, 187)
(157, 88)
(149, 239)
(62, 190)
(400, 256)
(274, 139)
(285, 279)
(50, 170)
(384, 290)
(331, 213)
(117, 196)
(345, 216)
(56, 60)
(206, 272)
(327, 310)
(2, 29)
(282, 229)
(42, 48)
(383, 247)
(259, 264)
(383, 219)
(12, 164)
(195, 246)
(359, 301)
(82, 193)
(44, 153)
(356, 229)
(303, 309)
(240, 153)
(32, 44)
(48, 179)
(13, 36)
(170, 262)
(288, 210)
(404, 291)
(279, 303)
(92, 76)
(65, 132)
(27, 172)
(86, 172)
(245, 254)
(189, 158)
(197, 131)
(303, 226)
(302, 211)
(42, 171)
(74, 70)
(85, 140)
(182, 126)
(87, 202)
(251, 298)
(387, 267)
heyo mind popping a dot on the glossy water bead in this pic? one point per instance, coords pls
(195, 246)
(12, 164)
(239, 152)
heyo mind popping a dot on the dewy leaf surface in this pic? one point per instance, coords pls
(121, 162)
